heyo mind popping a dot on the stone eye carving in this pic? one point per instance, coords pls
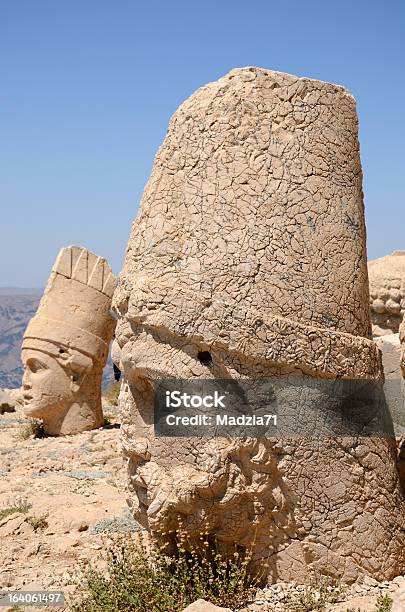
(35, 366)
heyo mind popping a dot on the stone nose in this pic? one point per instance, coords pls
(26, 380)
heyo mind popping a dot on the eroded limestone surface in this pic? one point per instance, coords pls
(387, 292)
(250, 246)
(65, 345)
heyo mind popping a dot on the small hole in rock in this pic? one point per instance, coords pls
(205, 358)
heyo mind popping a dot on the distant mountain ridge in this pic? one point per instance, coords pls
(17, 306)
(20, 291)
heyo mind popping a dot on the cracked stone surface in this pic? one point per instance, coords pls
(387, 292)
(250, 245)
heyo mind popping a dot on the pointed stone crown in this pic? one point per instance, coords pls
(77, 263)
(75, 308)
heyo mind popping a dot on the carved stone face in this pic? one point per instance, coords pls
(47, 386)
(65, 344)
(223, 485)
(272, 494)
(61, 390)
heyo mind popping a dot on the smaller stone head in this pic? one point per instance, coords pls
(387, 292)
(65, 345)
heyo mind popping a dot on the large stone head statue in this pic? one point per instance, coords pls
(247, 262)
(65, 345)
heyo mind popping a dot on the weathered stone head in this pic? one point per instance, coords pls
(387, 292)
(387, 305)
(65, 345)
(247, 261)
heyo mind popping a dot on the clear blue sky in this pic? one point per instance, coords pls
(87, 88)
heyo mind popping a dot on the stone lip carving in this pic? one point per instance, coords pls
(248, 260)
(387, 292)
(66, 343)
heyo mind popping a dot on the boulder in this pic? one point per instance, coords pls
(7, 403)
(204, 606)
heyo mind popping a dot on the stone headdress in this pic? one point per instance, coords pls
(251, 233)
(74, 311)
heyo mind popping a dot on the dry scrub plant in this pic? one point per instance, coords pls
(34, 428)
(140, 578)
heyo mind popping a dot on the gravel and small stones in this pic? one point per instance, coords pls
(69, 479)
(85, 448)
(68, 488)
(119, 524)
(82, 475)
(8, 451)
(54, 455)
(279, 597)
(10, 422)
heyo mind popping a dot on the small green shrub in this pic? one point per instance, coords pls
(38, 522)
(138, 579)
(22, 506)
(383, 604)
(34, 428)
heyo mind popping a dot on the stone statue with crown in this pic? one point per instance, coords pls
(66, 343)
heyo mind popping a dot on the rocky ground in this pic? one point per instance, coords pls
(370, 596)
(66, 502)
(61, 503)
